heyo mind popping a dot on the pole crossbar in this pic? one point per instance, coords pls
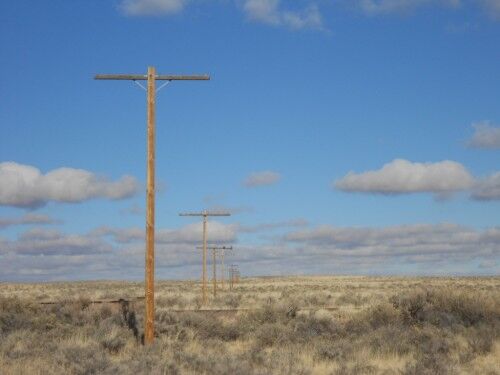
(159, 77)
(205, 213)
(151, 77)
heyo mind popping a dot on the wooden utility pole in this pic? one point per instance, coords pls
(214, 249)
(214, 267)
(222, 253)
(205, 215)
(151, 77)
(232, 273)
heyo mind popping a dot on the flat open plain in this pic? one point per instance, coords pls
(268, 325)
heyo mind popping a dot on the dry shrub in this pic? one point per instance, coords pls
(210, 326)
(271, 334)
(391, 340)
(446, 308)
(273, 313)
(284, 359)
(351, 299)
(308, 327)
(84, 360)
(83, 302)
(357, 368)
(480, 340)
(177, 301)
(334, 350)
(112, 336)
(231, 300)
(16, 315)
(150, 360)
(430, 364)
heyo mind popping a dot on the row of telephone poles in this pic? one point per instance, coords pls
(205, 214)
(151, 77)
(221, 250)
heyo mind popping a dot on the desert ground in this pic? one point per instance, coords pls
(267, 325)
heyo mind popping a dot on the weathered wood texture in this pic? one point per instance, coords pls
(150, 212)
(144, 77)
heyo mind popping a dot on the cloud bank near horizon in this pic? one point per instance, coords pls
(44, 254)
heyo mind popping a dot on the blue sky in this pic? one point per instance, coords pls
(308, 101)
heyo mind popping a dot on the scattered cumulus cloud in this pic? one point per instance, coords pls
(274, 13)
(151, 7)
(48, 242)
(492, 7)
(30, 218)
(402, 177)
(187, 235)
(272, 226)
(270, 12)
(25, 186)
(277, 13)
(135, 209)
(485, 134)
(264, 178)
(487, 189)
(376, 7)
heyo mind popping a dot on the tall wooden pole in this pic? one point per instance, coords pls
(214, 266)
(204, 277)
(222, 269)
(151, 77)
(231, 277)
(150, 212)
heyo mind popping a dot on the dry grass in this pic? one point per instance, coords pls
(306, 325)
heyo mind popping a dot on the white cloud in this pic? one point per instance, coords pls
(492, 7)
(488, 189)
(271, 13)
(43, 242)
(485, 135)
(187, 235)
(25, 186)
(152, 7)
(106, 253)
(491, 263)
(262, 179)
(135, 209)
(375, 7)
(272, 226)
(445, 241)
(402, 176)
(26, 219)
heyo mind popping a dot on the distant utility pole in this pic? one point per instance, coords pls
(233, 274)
(237, 275)
(214, 263)
(222, 253)
(151, 77)
(205, 215)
